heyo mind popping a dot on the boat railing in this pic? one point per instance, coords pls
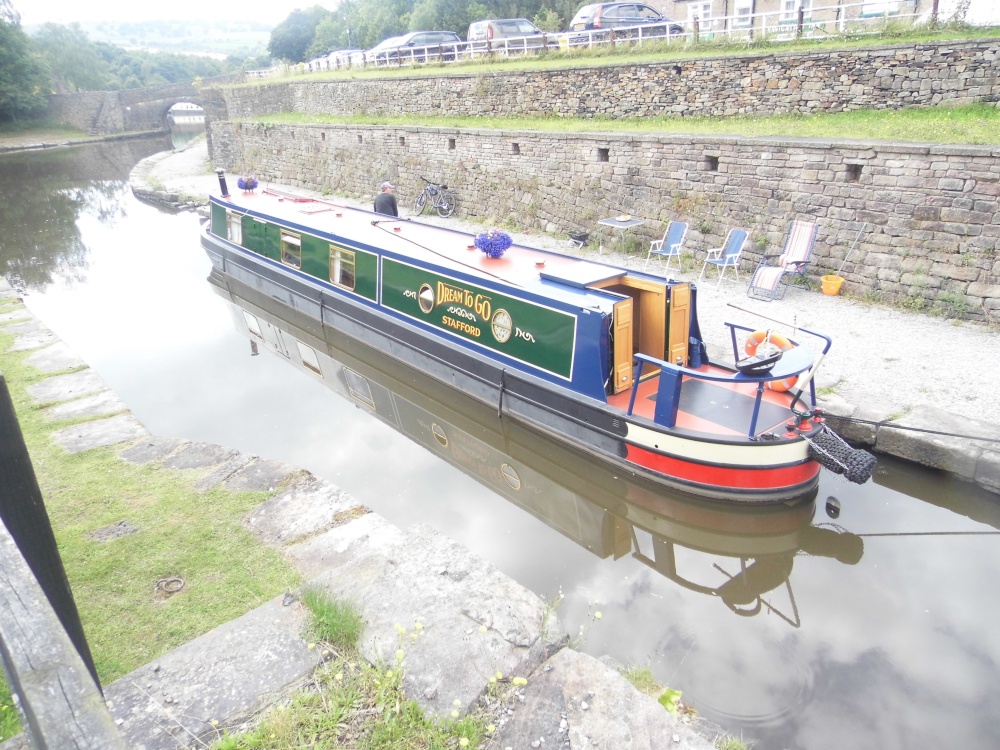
(794, 362)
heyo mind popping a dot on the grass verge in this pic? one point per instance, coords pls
(969, 124)
(350, 703)
(663, 51)
(179, 533)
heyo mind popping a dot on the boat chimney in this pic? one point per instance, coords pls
(222, 182)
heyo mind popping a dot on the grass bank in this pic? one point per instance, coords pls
(664, 51)
(129, 620)
(970, 124)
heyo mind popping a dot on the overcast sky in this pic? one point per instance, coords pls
(67, 11)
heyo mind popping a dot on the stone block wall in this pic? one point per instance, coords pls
(926, 219)
(876, 78)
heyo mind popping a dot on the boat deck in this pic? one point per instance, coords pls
(547, 272)
(711, 408)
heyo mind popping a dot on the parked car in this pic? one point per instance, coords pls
(506, 33)
(418, 46)
(637, 17)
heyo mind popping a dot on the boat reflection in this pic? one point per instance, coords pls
(609, 514)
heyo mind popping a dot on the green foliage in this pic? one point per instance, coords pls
(729, 742)
(10, 723)
(548, 20)
(350, 703)
(670, 699)
(73, 59)
(292, 37)
(970, 124)
(643, 680)
(335, 622)
(24, 76)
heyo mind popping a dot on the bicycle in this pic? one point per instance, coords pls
(438, 196)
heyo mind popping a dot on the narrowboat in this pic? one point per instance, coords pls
(606, 359)
(741, 555)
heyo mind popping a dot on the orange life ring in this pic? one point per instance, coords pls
(757, 338)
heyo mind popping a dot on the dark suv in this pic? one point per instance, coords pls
(417, 46)
(639, 18)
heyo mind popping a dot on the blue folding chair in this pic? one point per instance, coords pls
(669, 246)
(727, 256)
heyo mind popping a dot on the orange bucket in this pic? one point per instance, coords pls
(831, 284)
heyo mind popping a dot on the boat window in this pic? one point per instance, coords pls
(309, 358)
(253, 324)
(234, 222)
(342, 267)
(291, 250)
(358, 386)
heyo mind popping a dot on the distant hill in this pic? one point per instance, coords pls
(216, 38)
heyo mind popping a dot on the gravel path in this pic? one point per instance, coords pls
(883, 359)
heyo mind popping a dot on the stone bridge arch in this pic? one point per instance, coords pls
(129, 111)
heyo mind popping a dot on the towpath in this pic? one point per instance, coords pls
(915, 370)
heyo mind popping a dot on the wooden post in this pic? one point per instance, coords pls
(934, 12)
(800, 21)
(22, 511)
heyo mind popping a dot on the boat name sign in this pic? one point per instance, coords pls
(482, 315)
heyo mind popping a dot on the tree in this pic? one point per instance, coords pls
(291, 38)
(24, 77)
(75, 61)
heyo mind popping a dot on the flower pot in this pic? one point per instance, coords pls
(831, 284)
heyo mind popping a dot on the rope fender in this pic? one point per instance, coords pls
(829, 450)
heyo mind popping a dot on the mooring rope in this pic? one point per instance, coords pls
(855, 420)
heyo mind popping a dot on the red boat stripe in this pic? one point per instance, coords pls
(735, 477)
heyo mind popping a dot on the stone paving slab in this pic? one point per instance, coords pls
(67, 387)
(100, 433)
(55, 358)
(14, 316)
(306, 509)
(959, 456)
(28, 341)
(223, 676)
(100, 404)
(476, 621)
(151, 449)
(198, 456)
(259, 475)
(222, 473)
(577, 701)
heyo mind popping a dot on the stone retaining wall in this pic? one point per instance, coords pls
(930, 214)
(829, 81)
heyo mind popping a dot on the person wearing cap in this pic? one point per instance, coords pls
(385, 202)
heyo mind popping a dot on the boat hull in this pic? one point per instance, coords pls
(729, 469)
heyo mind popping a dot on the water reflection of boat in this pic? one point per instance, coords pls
(603, 358)
(609, 513)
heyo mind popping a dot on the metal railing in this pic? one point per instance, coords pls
(816, 21)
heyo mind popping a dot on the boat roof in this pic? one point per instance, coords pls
(544, 272)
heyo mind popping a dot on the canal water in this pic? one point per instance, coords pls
(865, 620)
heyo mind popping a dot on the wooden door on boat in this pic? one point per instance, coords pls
(679, 324)
(622, 370)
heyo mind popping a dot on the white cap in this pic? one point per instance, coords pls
(388, 184)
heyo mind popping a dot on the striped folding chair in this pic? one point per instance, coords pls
(776, 273)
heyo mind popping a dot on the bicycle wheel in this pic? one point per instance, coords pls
(420, 202)
(446, 204)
